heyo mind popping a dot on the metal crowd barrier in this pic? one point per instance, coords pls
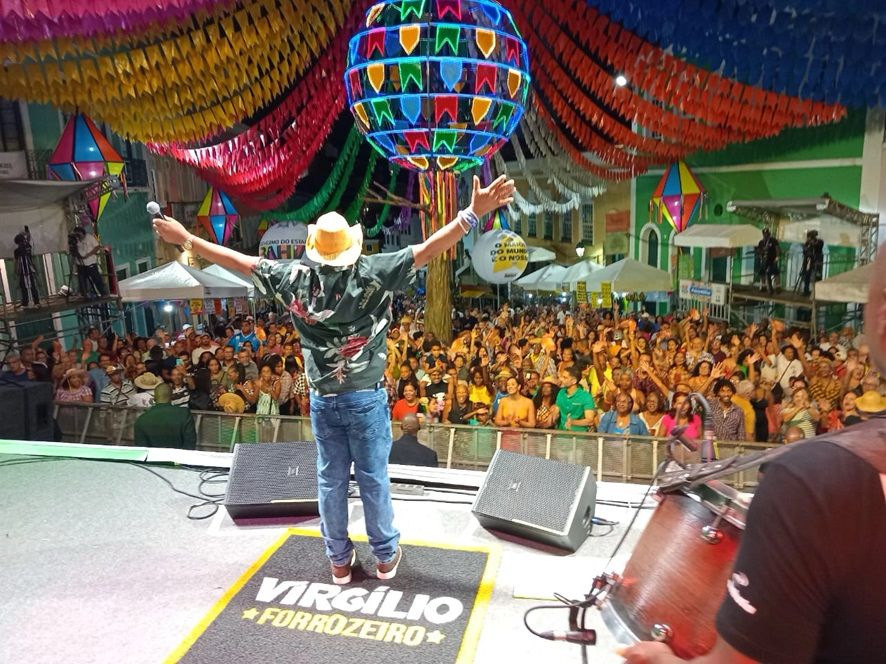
(615, 458)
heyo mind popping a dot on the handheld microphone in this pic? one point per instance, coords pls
(154, 210)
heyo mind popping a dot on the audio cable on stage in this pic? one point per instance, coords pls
(208, 477)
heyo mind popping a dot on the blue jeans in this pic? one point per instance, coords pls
(354, 427)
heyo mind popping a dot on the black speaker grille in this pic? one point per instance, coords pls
(531, 490)
(267, 472)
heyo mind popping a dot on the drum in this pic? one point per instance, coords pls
(676, 577)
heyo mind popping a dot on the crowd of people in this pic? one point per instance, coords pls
(596, 370)
(543, 367)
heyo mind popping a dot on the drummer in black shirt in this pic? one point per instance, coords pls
(809, 583)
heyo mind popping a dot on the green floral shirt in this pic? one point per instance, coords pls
(342, 314)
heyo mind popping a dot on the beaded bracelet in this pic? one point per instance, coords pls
(469, 218)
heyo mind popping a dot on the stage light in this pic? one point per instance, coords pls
(621, 80)
(168, 308)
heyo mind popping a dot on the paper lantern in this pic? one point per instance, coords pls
(499, 256)
(678, 196)
(437, 84)
(83, 153)
(218, 216)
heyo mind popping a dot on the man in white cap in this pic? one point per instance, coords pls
(340, 303)
(808, 582)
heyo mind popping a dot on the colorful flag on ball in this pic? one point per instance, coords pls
(218, 216)
(83, 153)
(263, 227)
(678, 197)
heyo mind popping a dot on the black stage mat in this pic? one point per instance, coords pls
(285, 608)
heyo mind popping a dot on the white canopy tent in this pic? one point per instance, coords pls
(630, 276)
(541, 255)
(581, 271)
(719, 236)
(548, 278)
(230, 275)
(850, 287)
(39, 205)
(175, 281)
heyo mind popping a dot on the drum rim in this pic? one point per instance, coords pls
(722, 500)
(616, 624)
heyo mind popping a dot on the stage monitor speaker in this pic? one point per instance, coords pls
(273, 480)
(546, 501)
(27, 411)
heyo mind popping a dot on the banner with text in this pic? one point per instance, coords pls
(606, 294)
(13, 166)
(701, 291)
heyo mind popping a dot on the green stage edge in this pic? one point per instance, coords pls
(26, 448)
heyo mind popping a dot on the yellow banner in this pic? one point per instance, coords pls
(581, 293)
(196, 307)
(606, 293)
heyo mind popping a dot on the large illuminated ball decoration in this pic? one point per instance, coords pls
(499, 256)
(437, 84)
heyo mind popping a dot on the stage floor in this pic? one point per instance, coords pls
(101, 564)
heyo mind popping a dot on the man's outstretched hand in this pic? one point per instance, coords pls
(488, 199)
(170, 230)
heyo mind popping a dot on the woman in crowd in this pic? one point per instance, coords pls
(74, 388)
(545, 404)
(278, 369)
(481, 388)
(515, 410)
(848, 413)
(205, 356)
(568, 359)
(800, 414)
(622, 420)
(300, 402)
(273, 345)
(623, 383)
(653, 413)
(408, 404)
(701, 375)
(681, 415)
(679, 372)
(216, 373)
(266, 391)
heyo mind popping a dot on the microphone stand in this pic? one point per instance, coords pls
(606, 581)
(707, 444)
